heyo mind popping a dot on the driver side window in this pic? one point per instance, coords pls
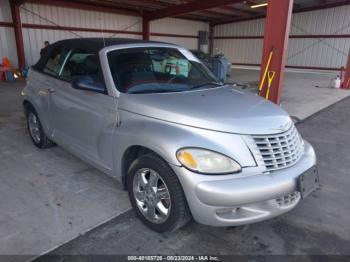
(83, 63)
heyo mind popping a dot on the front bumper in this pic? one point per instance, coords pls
(248, 197)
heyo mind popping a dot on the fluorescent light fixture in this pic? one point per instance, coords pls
(259, 5)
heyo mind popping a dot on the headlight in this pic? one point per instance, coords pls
(206, 161)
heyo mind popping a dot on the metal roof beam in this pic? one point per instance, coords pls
(299, 10)
(235, 11)
(86, 6)
(189, 7)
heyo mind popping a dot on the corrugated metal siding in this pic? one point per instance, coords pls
(7, 36)
(190, 43)
(5, 11)
(246, 28)
(34, 38)
(329, 52)
(7, 45)
(311, 52)
(178, 26)
(240, 50)
(37, 14)
(60, 16)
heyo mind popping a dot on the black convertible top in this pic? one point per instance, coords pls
(98, 43)
(93, 45)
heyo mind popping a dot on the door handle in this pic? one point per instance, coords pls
(51, 90)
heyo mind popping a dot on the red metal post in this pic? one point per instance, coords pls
(145, 29)
(17, 26)
(277, 27)
(346, 83)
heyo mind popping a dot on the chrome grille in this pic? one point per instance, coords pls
(278, 151)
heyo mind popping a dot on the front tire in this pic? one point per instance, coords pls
(36, 131)
(156, 194)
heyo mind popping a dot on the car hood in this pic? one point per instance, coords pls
(223, 109)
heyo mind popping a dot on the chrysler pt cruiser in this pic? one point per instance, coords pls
(182, 144)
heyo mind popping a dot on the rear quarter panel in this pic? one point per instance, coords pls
(36, 92)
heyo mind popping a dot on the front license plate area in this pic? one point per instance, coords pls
(308, 181)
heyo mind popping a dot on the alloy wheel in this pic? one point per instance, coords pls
(152, 195)
(34, 127)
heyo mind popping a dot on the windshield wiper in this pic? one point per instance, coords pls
(206, 84)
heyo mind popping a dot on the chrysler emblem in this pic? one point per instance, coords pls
(283, 127)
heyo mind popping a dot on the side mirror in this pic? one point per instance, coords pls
(88, 83)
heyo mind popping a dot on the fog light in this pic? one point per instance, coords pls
(227, 210)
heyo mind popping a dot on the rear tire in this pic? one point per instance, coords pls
(36, 131)
(156, 194)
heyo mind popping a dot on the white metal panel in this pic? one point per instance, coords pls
(316, 53)
(53, 15)
(7, 36)
(245, 28)
(248, 51)
(34, 39)
(5, 11)
(178, 26)
(310, 52)
(189, 43)
(60, 16)
(326, 21)
(7, 45)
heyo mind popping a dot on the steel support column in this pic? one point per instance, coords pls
(17, 26)
(277, 27)
(145, 29)
(346, 83)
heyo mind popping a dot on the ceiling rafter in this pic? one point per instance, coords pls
(87, 6)
(295, 10)
(188, 7)
(234, 11)
(213, 11)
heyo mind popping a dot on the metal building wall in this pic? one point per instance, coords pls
(244, 40)
(7, 36)
(34, 14)
(178, 27)
(42, 22)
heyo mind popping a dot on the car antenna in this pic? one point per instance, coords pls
(102, 32)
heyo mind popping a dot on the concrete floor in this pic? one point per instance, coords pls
(48, 197)
(304, 93)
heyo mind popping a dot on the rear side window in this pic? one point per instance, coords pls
(56, 60)
(82, 63)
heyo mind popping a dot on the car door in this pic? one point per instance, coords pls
(44, 81)
(84, 121)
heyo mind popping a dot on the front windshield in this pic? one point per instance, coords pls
(158, 70)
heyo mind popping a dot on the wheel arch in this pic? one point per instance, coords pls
(26, 105)
(130, 154)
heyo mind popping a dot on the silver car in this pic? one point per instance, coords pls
(154, 117)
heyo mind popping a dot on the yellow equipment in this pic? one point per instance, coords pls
(270, 76)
